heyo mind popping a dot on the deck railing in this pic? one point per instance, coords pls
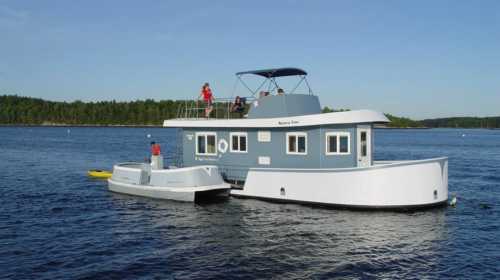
(221, 109)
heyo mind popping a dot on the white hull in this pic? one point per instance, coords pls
(181, 184)
(179, 194)
(401, 184)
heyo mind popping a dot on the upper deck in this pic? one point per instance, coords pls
(348, 117)
(270, 106)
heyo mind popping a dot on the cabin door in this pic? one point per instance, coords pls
(364, 148)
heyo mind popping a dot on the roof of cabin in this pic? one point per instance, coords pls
(286, 105)
(276, 72)
(349, 117)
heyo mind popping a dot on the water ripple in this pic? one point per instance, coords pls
(55, 223)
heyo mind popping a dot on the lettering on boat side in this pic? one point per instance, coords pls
(205, 159)
(288, 122)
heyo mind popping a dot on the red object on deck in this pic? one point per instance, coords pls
(207, 94)
(155, 149)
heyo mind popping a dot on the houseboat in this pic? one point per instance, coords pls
(285, 149)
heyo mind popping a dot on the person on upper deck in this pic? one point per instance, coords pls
(281, 91)
(238, 105)
(208, 98)
(263, 93)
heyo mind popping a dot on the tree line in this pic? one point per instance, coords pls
(463, 122)
(18, 110)
(34, 111)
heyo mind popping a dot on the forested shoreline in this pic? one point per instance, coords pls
(19, 110)
(463, 122)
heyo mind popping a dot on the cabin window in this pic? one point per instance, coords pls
(296, 143)
(338, 143)
(264, 136)
(239, 142)
(364, 151)
(205, 143)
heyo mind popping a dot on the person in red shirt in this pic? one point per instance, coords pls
(155, 149)
(156, 157)
(208, 98)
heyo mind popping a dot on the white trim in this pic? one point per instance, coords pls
(349, 117)
(338, 134)
(205, 134)
(238, 134)
(297, 135)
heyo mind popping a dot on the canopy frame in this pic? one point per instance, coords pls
(270, 76)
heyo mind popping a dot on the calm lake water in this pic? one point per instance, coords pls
(56, 223)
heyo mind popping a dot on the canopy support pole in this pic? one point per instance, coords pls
(249, 89)
(308, 86)
(298, 84)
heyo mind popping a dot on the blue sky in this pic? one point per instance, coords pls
(412, 58)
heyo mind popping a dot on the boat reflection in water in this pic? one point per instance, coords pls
(238, 235)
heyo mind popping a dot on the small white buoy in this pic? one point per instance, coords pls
(148, 135)
(463, 135)
(453, 201)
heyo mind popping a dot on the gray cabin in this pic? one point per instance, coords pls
(279, 130)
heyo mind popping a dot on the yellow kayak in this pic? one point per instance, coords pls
(101, 174)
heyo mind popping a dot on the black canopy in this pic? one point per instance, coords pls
(277, 72)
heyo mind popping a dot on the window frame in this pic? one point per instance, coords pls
(337, 134)
(238, 134)
(205, 134)
(297, 135)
